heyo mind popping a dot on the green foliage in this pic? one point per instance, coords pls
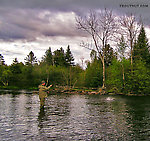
(141, 48)
(31, 74)
(5, 76)
(48, 57)
(115, 75)
(2, 61)
(27, 76)
(93, 74)
(77, 76)
(121, 48)
(30, 59)
(69, 57)
(138, 82)
(58, 68)
(59, 57)
(16, 70)
(56, 75)
(109, 55)
(93, 55)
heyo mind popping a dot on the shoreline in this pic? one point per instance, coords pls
(68, 91)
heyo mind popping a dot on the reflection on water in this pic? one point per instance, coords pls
(74, 117)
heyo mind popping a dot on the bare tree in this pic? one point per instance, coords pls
(101, 26)
(82, 61)
(130, 28)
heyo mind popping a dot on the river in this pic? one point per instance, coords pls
(73, 117)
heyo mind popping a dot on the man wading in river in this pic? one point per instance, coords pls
(43, 93)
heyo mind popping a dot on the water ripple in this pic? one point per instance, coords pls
(74, 117)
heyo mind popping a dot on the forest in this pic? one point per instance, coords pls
(123, 69)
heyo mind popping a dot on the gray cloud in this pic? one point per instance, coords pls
(28, 24)
(51, 23)
(23, 19)
(65, 5)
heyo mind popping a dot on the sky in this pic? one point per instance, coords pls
(36, 25)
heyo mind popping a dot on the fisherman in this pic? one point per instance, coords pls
(43, 93)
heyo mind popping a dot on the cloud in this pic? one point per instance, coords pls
(68, 5)
(38, 24)
(77, 6)
(27, 24)
(30, 19)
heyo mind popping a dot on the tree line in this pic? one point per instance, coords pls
(55, 67)
(128, 72)
(123, 69)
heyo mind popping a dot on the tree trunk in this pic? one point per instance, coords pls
(103, 62)
(70, 76)
(131, 44)
(123, 77)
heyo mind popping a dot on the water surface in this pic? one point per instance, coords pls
(74, 117)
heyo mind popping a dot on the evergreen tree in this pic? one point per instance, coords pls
(121, 48)
(93, 74)
(15, 67)
(48, 57)
(138, 82)
(15, 61)
(109, 55)
(30, 59)
(121, 52)
(5, 77)
(115, 80)
(16, 71)
(141, 48)
(69, 57)
(2, 62)
(93, 55)
(59, 57)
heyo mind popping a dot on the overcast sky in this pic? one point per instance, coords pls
(36, 25)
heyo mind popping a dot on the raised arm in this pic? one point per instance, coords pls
(49, 86)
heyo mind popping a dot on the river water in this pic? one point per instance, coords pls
(74, 117)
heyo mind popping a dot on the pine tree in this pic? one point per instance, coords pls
(30, 59)
(48, 57)
(93, 55)
(59, 57)
(138, 82)
(121, 48)
(2, 62)
(109, 55)
(15, 61)
(15, 67)
(141, 48)
(93, 74)
(121, 52)
(69, 57)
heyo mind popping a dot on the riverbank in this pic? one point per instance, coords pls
(68, 90)
(88, 91)
(76, 90)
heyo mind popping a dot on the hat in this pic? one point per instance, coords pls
(42, 82)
